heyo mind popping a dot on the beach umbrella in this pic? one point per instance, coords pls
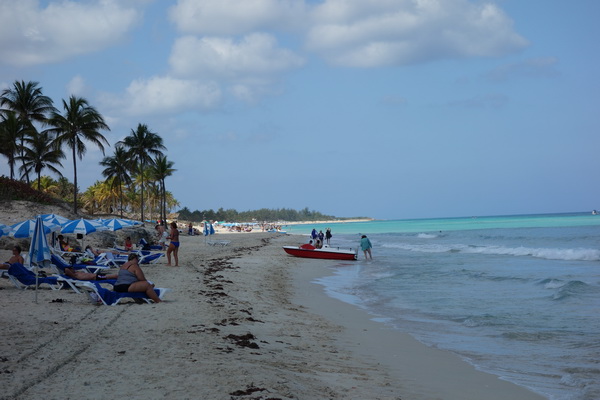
(4, 229)
(114, 224)
(55, 218)
(83, 226)
(39, 251)
(25, 228)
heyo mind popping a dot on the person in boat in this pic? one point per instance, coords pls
(365, 245)
(131, 279)
(15, 258)
(308, 246)
(319, 244)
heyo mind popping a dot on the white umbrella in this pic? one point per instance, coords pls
(39, 251)
(55, 218)
(114, 224)
(83, 226)
(25, 228)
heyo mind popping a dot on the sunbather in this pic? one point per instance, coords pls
(128, 244)
(131, 279)
(16, 258)
(87, 276)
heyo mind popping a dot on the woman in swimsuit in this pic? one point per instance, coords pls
(132, 279)
(174, 245)
(16, 258)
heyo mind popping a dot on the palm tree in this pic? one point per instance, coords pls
(41, 152)
(161, 170)
(142, 145)
(49, 185)
(80, 122)
(29, 104)
(117, 169)
(11, 131)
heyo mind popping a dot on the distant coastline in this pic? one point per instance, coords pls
(334, 221)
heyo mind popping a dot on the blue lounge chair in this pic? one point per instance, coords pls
(61, 264)
(101, 295)
(23, 278)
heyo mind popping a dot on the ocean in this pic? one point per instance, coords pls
(516, 296)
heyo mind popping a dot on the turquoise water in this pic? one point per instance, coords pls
(517, 296)
(452, 224)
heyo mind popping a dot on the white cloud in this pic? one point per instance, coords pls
(398, 32)
(162, 95)
(31, 35)
(256, 55)
(235, 17)
(76, 86)
(250, 67)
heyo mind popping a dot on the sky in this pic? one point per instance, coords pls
(390, 109)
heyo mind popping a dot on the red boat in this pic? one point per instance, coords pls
(327, 253)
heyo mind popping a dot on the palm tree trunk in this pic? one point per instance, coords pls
(23, 158)
(74, 180)
(142, 210)
(121, 197)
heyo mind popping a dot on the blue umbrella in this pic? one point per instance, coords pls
(83, 226)
(39, 251)
(208, 229)
(25, 228)
(4, 229)
(114, 224)
(55, 218)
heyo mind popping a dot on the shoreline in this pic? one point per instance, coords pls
(423, 372)
(243, 321)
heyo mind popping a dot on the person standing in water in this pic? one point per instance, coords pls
(365, 245)
(328, 236)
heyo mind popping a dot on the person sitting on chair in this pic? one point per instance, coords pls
(128, 244)
(131, 279)
(16, 258)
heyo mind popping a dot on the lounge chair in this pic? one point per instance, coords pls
(65, 280)
(60, 264)
(23, 278)
(98, 294)
(145, 256)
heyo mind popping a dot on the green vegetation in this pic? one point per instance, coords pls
(264, 214)
(34, 135)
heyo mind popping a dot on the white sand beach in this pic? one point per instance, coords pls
(243, 321)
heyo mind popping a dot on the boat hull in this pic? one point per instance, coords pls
(325, 254)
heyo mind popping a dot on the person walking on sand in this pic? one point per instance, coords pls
(365, 245)
(174, 245)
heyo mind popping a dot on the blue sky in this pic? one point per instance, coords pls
(382, 108)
